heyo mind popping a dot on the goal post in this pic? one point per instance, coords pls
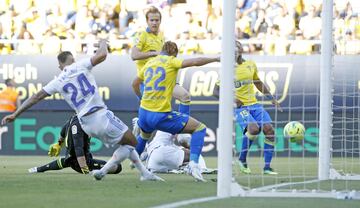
(226, 128)
(326, 61)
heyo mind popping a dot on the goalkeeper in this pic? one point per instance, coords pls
(78, 155)
(249, 114)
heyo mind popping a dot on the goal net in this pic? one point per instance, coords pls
(297, 164)
(326, 163)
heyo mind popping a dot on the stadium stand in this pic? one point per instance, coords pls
(47, 27)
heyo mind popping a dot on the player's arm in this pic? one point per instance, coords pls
(137, 54)
(26, 105)
(54, 149)
(198, 61)
(264, 90)
(78, 136)
(101, 53)
(136, 86)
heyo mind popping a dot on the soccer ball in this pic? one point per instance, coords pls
(294, 131)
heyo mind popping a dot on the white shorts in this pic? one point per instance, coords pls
(165, 158)
(104, 125)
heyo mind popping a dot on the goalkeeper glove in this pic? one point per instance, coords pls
(54, 150)
(85, 170)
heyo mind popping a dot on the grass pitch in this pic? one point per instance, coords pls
(67, 188)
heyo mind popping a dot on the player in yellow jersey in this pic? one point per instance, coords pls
(148, 44)
(155, 113)
(251, 115)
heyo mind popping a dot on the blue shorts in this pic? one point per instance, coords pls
(252, 114)
(171, 122)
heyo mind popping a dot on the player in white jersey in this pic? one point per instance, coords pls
(164, 156)
(78, 87)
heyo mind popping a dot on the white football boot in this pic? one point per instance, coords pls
(194, 170)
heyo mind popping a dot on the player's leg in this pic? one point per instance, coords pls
(269, 144)
(145, 129)
(202, 163)
(183, 96)
(125, 150)
(175, 123)
(198, 132)
(54, 165)
(96, 164)
(264, 120)
(250, 133)
(115, 132)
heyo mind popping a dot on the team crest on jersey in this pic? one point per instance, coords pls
(74, 129)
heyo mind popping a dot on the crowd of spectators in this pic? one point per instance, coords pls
(274, 27)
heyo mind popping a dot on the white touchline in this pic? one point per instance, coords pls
(187, 202)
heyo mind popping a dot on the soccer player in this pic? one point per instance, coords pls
(9, 98)
(78, 155)
(155, 113)
(77, 85)
(148, 44)
(163, 156)
(251, 115)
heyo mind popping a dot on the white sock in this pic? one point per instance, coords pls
(202, 164)
(119, 155)
(134, 157)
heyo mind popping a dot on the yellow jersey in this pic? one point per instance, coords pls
(8, 99)
(159, 75)
(145, 42)
(245, 76)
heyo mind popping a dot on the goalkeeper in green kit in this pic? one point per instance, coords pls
(78, 155)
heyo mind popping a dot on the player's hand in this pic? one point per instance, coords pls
(277, 104)
(54, 150)
(8, 119)
(154, 53)
(85, 170)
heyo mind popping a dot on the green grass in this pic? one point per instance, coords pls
(66, 188)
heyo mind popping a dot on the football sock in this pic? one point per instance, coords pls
(202, 163)
(197, 142)
(246, 144)
(140, 145)
(268, 154)
(134, 157)
(54, 165)
(119, 155)
(184, 108)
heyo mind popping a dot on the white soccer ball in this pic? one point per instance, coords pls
(294, 131)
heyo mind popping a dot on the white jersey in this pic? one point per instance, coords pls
(161, 139)
(77, 85)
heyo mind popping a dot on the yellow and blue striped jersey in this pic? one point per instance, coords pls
(159, 75)
(145, 42)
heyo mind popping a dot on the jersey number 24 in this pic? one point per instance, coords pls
(85, 87)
